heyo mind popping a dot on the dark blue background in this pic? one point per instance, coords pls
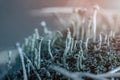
(15, 21)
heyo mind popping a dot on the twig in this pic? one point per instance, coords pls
(109, 75)
(76, 75)
(115, 70)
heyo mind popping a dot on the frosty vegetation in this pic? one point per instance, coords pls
(80, 52)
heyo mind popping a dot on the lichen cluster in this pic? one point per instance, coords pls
(73, 51)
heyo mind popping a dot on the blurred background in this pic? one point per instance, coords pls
(16, 23)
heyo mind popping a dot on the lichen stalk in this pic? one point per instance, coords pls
(96, 8)
(49, 49)
(22, 60)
